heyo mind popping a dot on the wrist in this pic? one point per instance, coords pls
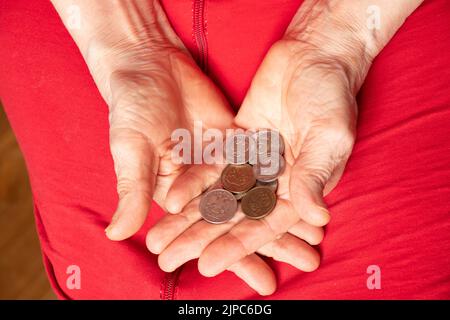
(119, 35)
(343, 30)
(320, 30)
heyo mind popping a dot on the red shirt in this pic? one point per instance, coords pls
(391, 208)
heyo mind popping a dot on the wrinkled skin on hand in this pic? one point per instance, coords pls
(147, 103)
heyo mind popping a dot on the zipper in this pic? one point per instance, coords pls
(199, 33)
(169, 285)
(170, 282)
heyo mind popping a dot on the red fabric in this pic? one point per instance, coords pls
(391, 208)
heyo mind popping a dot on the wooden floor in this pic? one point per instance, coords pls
(22, 274)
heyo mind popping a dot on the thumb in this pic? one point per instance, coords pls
(306, 192)
(136, 164)
(315, 173)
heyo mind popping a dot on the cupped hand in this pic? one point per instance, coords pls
(156, 94)
(309, 99)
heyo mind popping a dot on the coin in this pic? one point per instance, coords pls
(273, 185)
(238, 178)
(240, 195)
(218, 206)
(237, 148)
(267, 141)
(258, 202)
(269, 168)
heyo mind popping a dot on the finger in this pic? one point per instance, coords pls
(135, 164)
(293, 251)
(190, 244)
(306, 192)
(191, 184)
(245, 238)
(256, 273)
(171, 226)
(311, 234)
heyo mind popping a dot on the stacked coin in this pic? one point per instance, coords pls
(255, 161)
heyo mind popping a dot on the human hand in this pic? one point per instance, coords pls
(152, 87)
(156, 95)
(308, 95)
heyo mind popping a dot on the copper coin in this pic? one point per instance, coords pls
(267, 141)
(237, 148)
(272, 185)
(258, 202)
(269, 168)
(218, 206)
(238, 178)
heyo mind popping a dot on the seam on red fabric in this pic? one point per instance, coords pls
(205, 25)
(46, 261)
(199, 32)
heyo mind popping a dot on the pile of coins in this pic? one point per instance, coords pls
(255, 161)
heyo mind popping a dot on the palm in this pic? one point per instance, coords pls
(147, 106)
(316, 116)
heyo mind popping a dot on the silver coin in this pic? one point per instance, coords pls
(237, 148)
(267, 141)
(269, 167)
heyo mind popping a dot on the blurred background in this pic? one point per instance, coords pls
(22, 274)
